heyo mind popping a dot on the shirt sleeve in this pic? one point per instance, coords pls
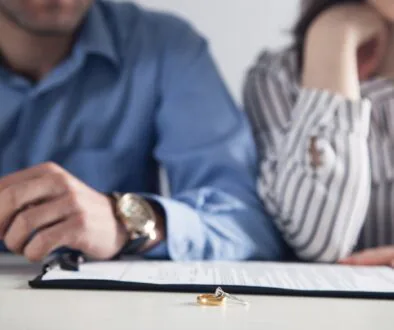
(206, 147)
(319, 209)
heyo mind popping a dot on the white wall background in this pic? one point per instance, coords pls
(237, 29)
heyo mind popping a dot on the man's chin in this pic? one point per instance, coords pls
(49, 27)
(50, 30)
(55, 19)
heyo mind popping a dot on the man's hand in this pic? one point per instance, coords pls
(45, 208)
(383, 256)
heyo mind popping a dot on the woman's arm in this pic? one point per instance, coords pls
(315, 173)
(319, 210)
(343, 46)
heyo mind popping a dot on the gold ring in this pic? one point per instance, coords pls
(210, 300)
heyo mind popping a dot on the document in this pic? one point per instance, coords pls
(285, 276)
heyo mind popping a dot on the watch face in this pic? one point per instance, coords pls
(135, 211)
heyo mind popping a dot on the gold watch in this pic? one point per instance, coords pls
(136, 214)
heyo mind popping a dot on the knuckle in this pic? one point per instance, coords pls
(51, 167)
(73, 201)
(61, 180)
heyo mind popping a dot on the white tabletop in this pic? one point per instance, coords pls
(29, 309)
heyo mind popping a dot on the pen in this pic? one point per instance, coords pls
(69, 261)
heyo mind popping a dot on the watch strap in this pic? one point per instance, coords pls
(132, 247)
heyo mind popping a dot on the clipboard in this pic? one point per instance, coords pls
(254, 278)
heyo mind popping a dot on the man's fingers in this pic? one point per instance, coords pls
(371, 257)
(32, 219)
(18, 196)
(67, 233)
(29, 174)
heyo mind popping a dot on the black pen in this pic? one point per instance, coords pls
(69, 261)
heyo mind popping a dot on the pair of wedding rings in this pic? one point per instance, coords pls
(218, 298)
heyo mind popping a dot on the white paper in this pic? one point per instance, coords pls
(309, 277)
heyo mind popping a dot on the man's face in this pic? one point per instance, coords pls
(45, 17)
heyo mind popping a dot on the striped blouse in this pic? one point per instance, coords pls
(346, 203)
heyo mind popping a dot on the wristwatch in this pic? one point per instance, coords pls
(138, 217)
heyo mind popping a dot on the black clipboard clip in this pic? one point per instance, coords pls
(69, 261)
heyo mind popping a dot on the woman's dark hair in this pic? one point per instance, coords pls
(310, 10)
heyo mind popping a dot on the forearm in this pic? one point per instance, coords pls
(330, 63)
(322, 215)
(321, 209)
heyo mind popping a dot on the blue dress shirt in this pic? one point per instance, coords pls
(138, 91)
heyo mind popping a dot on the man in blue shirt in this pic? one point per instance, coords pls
(109, 93)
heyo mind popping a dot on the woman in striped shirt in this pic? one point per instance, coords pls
(323, 119)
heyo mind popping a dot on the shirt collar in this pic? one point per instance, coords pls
(95, 36)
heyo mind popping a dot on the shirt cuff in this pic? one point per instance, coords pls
(318, 108)
(184, 236)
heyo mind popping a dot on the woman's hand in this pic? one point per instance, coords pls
(344, 45)
(383, 256)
